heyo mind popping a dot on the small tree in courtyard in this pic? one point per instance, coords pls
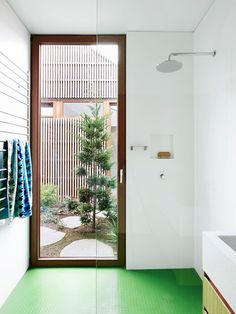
(95, 162)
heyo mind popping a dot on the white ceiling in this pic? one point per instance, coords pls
(109, 16)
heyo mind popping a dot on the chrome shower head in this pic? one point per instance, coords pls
(170, 66)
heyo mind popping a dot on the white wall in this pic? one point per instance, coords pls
(159, 213)
(215, 124)
(14, 239)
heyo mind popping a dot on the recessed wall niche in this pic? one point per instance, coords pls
(162, 146)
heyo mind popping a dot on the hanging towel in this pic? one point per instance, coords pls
(28, 169)
(23, 205)
(12, 177)
(3, 184)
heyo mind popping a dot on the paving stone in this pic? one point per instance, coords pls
(87, 248)
(50, 236)
(100, 215)
(71, 222)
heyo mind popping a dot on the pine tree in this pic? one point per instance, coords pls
(95, 162)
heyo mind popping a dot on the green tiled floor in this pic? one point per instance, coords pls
(106, 291)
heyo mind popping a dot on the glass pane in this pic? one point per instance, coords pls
(78, 214)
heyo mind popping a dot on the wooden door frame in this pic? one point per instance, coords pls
(36, 42)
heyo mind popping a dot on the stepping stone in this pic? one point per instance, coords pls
(71, 222)
(101, 215)
(50, 236)
(87, 248)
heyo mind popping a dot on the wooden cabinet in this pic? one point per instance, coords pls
(213, 302)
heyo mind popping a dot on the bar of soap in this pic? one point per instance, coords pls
(164, 155)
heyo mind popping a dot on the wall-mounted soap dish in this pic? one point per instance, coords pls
(164, 155)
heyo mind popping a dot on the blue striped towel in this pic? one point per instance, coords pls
(23, 204)
(28, 169)
(12, 177)
(19, 180)
(3, 191)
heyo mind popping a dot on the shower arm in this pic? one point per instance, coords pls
(174, 54)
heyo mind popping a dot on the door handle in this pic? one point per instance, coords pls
(121, 175)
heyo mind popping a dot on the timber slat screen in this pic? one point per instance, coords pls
(69, 71)
(59, 149)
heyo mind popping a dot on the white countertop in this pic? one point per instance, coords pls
(219, 263)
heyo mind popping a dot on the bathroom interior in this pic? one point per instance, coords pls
(173, 149)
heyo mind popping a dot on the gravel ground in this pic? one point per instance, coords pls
(82, 232)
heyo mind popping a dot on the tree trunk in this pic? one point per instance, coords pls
(94, 198)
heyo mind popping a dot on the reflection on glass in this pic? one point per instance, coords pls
(78, 214)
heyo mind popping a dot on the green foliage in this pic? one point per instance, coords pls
(48, 196)
(107, 182)
(73, 205)
(85, 219)
(81, 171)
(86, 208)
(96, 156)
(50, 216)
(95, 134)
(85, 195)
(113, 231)
(112, 214)
(92, 180)
(105, 202)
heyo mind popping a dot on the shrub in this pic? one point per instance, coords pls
(113, 232)
(95, 159)
(85, 195)
(49, 216)
(73, 204)
(48, 196)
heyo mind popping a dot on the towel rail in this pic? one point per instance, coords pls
(15, 124)
(23, 103)
(14, 90)
(15, 133)
(14, 81)
(12, 62)
(13, 115)
(8, 68)
(15, 85)
(14, 72)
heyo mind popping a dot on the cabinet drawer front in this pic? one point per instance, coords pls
(211, 300)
